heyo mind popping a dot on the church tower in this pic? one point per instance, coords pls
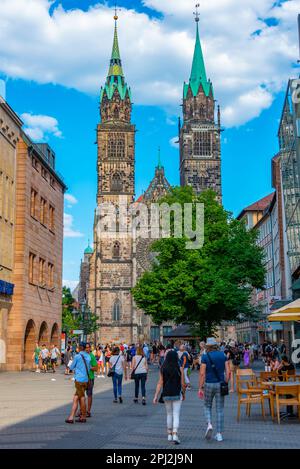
(111, 275)
(199, 136)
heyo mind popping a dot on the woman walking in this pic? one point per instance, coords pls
(100, 360)
(118, 368)
(214, 367)
(139, 368)
(171, 381)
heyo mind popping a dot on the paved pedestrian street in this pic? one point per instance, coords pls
(34, 407)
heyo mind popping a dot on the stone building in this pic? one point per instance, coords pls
(111, 266)
(10, 128)
(199, 136)
(37, 274)
(84, 276)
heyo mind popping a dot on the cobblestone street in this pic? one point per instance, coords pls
(34, 408)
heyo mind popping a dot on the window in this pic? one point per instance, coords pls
(117, 311)
(154, 333)
(43, 211)
(51, 218)
(34, 163)
(42, 282)
(31, 268)
(116, 146)
(52, 182)
(50, 275)
(116, 183)
(33, 208)
(202, 144)
(116, 250)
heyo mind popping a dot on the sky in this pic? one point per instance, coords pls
(54, 58)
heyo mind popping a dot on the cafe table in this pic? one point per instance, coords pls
(273, 385)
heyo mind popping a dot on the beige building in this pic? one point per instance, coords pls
(10, 126)
(37, 271)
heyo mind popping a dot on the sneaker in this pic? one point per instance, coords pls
(176, 440)
(120, 400)
(98, 376)
(170, 437)
(144, 401)
(102, 376)
(208, 433)
(115, 401)
(219, 437)
(135, 400)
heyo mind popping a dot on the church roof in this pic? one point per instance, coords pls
(115, 78)
(158, 187)
(88, 250)
(198, 73)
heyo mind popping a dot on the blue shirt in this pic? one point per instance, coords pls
(219, 359)
(79, 368)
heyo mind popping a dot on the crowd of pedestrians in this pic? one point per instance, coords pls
(217, 364)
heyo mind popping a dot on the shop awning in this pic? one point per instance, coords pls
(289, 312)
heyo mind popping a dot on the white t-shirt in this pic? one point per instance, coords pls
(119, 366)
(142, 366)
(54, 353)
(44, 353)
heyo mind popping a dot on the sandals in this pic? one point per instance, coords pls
(80, 420)
(69, 421)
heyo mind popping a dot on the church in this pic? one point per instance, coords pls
(117, 260)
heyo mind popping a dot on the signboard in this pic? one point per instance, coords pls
(76, 332)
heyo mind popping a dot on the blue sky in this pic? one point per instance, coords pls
(251, 98)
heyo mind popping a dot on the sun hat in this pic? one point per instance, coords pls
(211, 341)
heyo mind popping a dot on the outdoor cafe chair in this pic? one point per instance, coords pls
(287, 396)
(248, 395)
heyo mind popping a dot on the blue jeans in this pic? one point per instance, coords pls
(117, 384)
(142, 377)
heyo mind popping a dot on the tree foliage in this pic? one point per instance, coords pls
(68, 321)
(206, 286)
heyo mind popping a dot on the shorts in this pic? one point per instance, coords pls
(107, 359)
(89, 391)
(36, 360)
(45, 361)
(53, 361)
(80, 389)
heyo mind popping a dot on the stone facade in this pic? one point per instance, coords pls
(199, 136)
(36, 311)
(111, 266)
(10, 127)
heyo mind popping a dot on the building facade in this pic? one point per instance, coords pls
(111, 266)
(37, 274)
(200, 134)
(10, 128)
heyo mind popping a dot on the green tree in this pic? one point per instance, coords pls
(68, 321)
(203, 287)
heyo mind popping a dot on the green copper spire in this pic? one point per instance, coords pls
(198, 74)
(159, 159)
(115, 79)
(115, 68)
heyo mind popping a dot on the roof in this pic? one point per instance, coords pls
(89, 249)
(259, 206)
(198, 73)
(158, 187)
(115, 78)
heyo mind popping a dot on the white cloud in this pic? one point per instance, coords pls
(72, 284)
(69, 231)
(174, 142)
(247, 60)
(39, 127)
(71, 199)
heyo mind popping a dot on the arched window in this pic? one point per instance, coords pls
(116, 183)
(117, 311)
(116, 250)
(116, 112)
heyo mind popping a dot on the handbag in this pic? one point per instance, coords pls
(111, 371)
(224, 389)
(132, 376)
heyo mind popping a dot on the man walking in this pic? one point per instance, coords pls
(81, 366)
(54, 354)
(93, 368)
(36, 357)
(44, 355)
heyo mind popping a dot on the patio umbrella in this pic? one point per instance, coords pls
(289, 312)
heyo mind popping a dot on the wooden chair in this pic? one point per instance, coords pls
(290, 375)
(269, 376)
(282, 394)
(249, 395)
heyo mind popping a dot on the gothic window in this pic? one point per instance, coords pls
(116, 183)
(116, 146)
(202, 143)
(116, 313)
(116, 113)
(201, 110)
(116, 250)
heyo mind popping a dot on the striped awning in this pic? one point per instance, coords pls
(288, 313)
